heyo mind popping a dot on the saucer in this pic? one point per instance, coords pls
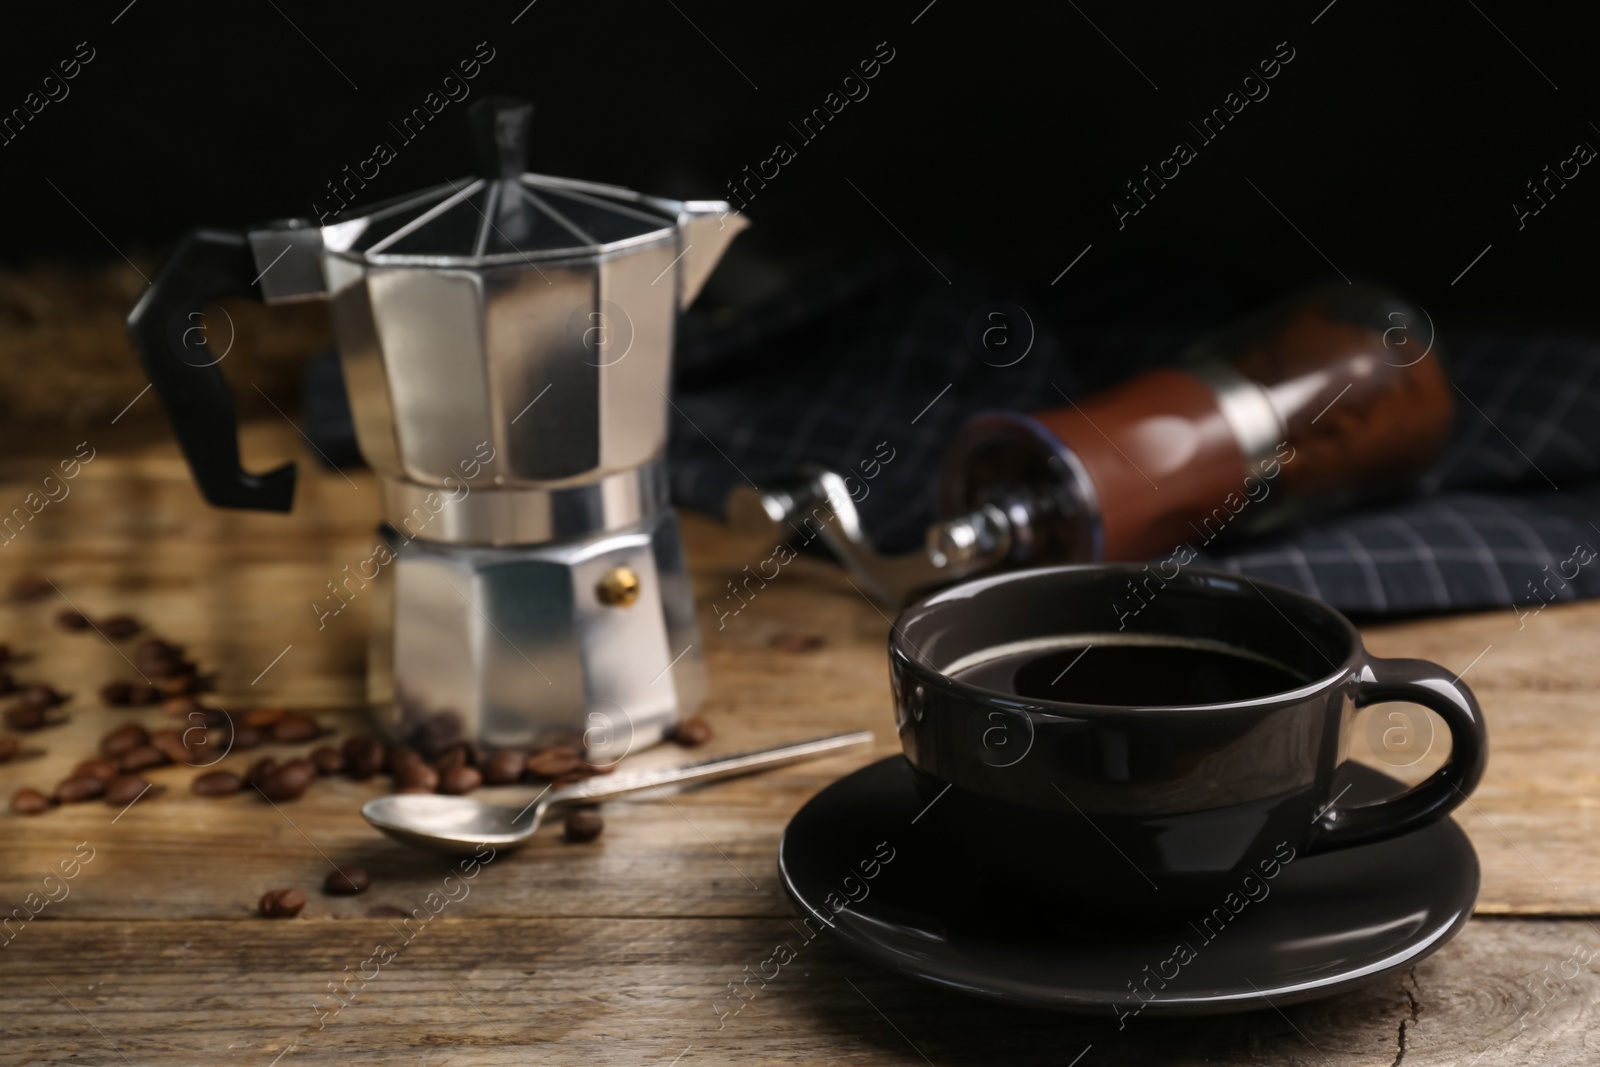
(866, 856)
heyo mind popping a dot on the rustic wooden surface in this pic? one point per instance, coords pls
(615, 952)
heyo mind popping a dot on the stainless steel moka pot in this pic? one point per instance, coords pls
(506, 343)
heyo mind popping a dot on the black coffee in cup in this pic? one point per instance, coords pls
(1116, 670)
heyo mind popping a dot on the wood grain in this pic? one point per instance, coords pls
(616, 951)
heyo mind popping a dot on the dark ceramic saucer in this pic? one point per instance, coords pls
(871, 857)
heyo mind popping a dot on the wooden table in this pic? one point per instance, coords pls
(616, 952)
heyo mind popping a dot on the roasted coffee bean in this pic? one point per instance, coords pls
(72, 790)
(155, 656)
(103, 769)
(328, 759)
(122, 740)
(460, 781)
(30, 587)
(554, 762)
(295, 728)
(24, 717)
(40, 696)
(347, 882)
(116, 694)
(27, 801)
(504, 766)
(282, 903)
(181, 707)
(8, 684)
(216, 784)
(290, 781)
(416, 777)
(170, 742)
(792, 642)
(8, 748)
(72, 621)
(119, 627)
(244, 738)
(692, 733)
(257, 771)
(142, 759)
(451, 758)
(583, 825)
(173, 685)
(397, 757)
(363, 757)
(144, 695)
(262, 718)
(5, 652)
(125, 789)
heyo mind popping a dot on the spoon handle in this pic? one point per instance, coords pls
(706, 770)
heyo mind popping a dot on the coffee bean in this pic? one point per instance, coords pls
(460, 781)
(127, 788)
(181, 707)
(40, 696)
(5, 652)
(30, 587)
(30, 802)
(504, 766)
(119, 627)
(692, 733)
(170, 742)
(288, 782)
(8, 748)
(8, 684)
(792, 642)
(258, 771)
(173, 685)
(416, 777)
(282, 903)
(216, 784)
(328, 759)
(123, 739)
(72, 621)
(398, 757)
(583, 825)
(103, 769)
(451, 758)
(554, 762)
(116, 694)
(262, 718)
(244, 738)
(142, 758)
(156, 657)
(347, 882)
(24, 717)
(144, 695)
(295, 728)
(363, 757)
(72, 790)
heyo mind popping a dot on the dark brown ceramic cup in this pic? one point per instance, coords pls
(1184, 792)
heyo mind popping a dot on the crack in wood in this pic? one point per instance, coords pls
(1415, 1009)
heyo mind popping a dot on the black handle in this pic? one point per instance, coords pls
(1419, 682)
(165, 329)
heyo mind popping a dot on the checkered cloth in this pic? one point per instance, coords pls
(1507, 518)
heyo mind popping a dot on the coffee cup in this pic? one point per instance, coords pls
(1195, 726)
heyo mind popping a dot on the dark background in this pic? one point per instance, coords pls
(1396, 140)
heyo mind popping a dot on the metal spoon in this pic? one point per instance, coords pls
(461, 824)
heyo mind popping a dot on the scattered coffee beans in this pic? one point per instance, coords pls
(8, 748)
(244, 738)
(125, 789)
(142, 695)
(117, 694)
(170, 744)
(24, 717)
(40, 696)
(398, 757)
(583, 825)
(692, 733)
(363, 757)
(103, 769)
(282, 903)
(142, 758)
(258, 771)
(30, 587)
(294, 728)
(504, 766)
(554, 762)
(416, 777)
(122, 740)
(216, 784)
(328, 759)
(120, 627)
(29, 802)
(73, 790)
(262, 718)
(459, 781)
(8, 684)
(347, 883)
(72, 621)
(288, 782)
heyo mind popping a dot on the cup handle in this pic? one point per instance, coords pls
(1414, 681)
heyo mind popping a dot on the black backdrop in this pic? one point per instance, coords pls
(1395, 141)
